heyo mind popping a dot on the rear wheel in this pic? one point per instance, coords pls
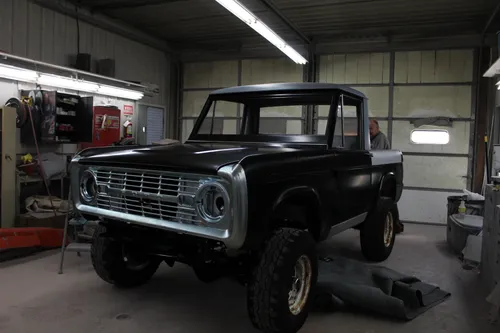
(121, 264)
(279, 293)
(378, 232)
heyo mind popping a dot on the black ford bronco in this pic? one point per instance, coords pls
(245, 197)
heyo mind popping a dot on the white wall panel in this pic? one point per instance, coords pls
(216, 74)
(435, 171)
(230, 126)
(31, 31)
(257, 71)
(187, 127)
(359, 68)
(459, 139)
(294, 127)
(432, 101)
(378, 102)
(424, 206)
(433, 66)
(282, 111)
(193, 102)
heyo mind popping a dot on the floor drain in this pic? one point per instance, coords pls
(122, 316)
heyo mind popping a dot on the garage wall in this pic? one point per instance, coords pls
(201, 78)
(401, 87)
(31, 31)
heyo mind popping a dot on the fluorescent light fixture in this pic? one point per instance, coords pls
(119, 92)
(18, 74)
(68, 83)
(57, 81)
(241, 12)
(430, 137)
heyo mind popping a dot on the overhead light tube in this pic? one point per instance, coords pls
(241, 12)
(67, 83)
(57, 81)
(17, 73)
(119, 92)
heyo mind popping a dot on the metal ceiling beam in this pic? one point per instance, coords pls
(106, 23)
(269, 4)
(490, 20)
(129, 4)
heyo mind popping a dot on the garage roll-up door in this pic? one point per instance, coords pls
(201, 78)
(409, 92)
(422, 91)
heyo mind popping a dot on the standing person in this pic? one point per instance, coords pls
(378, 141)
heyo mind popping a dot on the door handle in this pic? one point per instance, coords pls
(7, 157)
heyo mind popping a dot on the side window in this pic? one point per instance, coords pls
(347, 133)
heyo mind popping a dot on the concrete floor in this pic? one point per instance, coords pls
(34, 298)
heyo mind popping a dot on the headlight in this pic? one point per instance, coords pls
(88, 187)
(212, 202)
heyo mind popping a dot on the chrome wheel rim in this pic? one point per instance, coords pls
(388, 230)
(301, 285)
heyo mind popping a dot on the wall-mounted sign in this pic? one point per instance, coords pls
(128, 110)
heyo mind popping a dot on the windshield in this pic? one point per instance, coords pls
(272, 118)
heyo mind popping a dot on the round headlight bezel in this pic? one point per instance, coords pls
(202, 209)
(88, 180)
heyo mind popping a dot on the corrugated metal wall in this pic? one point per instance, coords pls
(29, 30)
(401, 87)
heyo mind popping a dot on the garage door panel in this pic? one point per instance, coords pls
(257, 71)
(378, 102)
(215, 74)
(193, 102)
(282, 111)
(187, 127)
(459, 139)
(359, 68)
(321, 126)
(424, 206)
(433, 66)
(435, 172)
(230, 126)
(294, 127)
(432, 101)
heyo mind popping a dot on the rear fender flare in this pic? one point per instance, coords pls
(388, 186)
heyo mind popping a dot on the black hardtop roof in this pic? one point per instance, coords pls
(288, 87)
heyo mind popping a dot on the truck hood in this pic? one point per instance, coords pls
(202, 158)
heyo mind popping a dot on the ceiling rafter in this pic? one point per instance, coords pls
(128, 4)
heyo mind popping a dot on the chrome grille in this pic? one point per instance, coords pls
(159, 195)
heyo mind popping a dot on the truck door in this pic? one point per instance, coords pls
(352, 168)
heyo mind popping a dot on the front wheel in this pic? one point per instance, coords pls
(279, 293)
(118, 264)
(378, 232)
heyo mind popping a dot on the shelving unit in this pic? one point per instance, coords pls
(8, 206)
(59, 118)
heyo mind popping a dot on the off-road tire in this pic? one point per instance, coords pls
(107, 258)
(372, 232)
(271, 281)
